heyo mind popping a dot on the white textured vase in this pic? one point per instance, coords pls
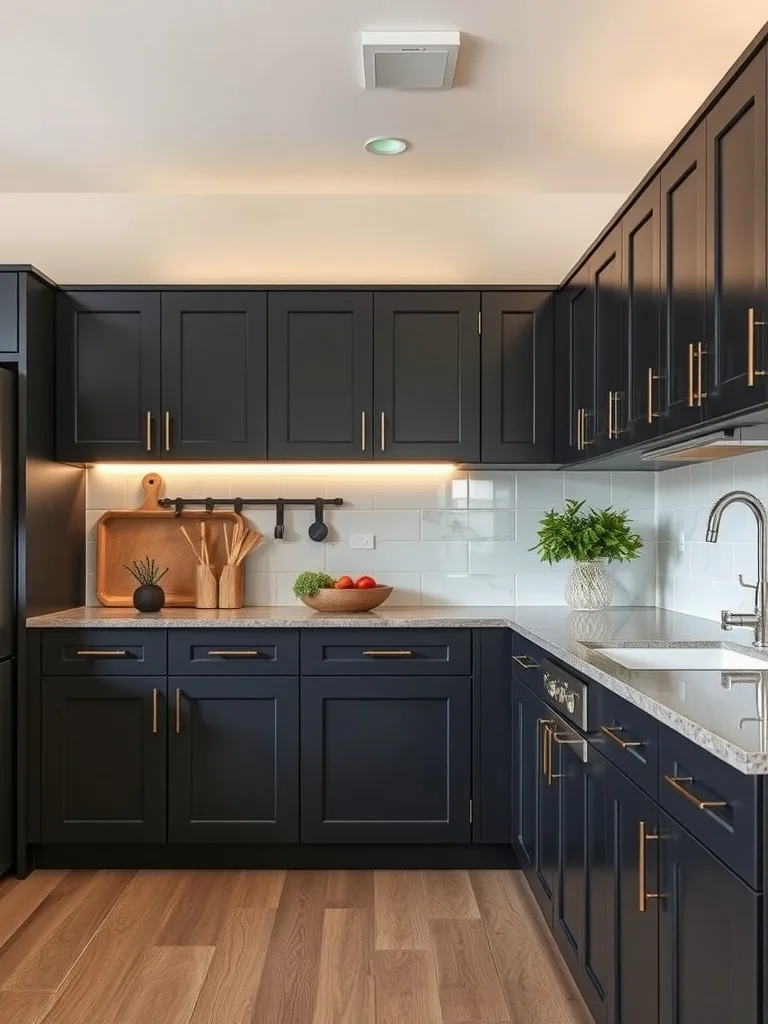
(589, 587)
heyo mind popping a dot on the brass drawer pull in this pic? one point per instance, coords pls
(149, 431)
(155, 694)
(703, 805)
(167, 431)
(234, 654)
(362, 430)
(611, 730)
(524, 661)
(383, 432)
(642, 886)
(546, 751)
(690, 376)
(650, 414)
(178, 712)
(701, 352)
(752, 323)
(102, 654)
(388, 654)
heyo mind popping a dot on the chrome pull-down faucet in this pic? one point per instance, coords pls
(759, 618)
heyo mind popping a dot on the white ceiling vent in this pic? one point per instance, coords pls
(410, 60)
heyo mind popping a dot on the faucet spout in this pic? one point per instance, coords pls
(760, 618)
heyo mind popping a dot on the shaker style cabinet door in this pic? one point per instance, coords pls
(104, 755)
(108, 376)
(214, 375)
(427, 376)
(517, 359)
(610, 343)
(736, 244)
(320, 375)
(686, 347)
(9, 312)
(233, 760)
(576, 372)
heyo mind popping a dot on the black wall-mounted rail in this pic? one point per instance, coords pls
(238, 504)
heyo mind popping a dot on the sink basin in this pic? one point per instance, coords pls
(717, 659)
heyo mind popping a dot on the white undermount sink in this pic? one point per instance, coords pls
(716, 659)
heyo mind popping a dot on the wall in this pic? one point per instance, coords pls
(704, 578)
(460, 539)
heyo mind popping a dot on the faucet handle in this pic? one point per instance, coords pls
(748, 586)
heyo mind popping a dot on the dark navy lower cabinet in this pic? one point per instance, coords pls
(633, 902)
(534, 797)
(386, 759)
(710, 962)
(233, 746)
(104, 754)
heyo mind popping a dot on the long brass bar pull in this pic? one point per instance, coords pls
(702, 805)
(524, 661)
(611, 730)
(102, 654)
(149, 431)
(167, 431)
(541, 726)
(752, 323)
(700, 393)
(644, 836)
(178, 712)
(388, 654)
(690, 376)
(362, 430)
(155, 694)
(584, 442)
(233, 654)
(383, 432)
(651, 415)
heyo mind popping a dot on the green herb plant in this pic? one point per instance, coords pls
(146, 572)
(586, 536)
(308, 583)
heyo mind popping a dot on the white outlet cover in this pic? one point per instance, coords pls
(362, 541)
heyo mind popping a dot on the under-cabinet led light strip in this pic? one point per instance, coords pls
(392, 469)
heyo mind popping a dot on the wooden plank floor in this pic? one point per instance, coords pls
(274, 947)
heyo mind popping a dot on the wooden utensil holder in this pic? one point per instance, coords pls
(231, 587)
(206, 588)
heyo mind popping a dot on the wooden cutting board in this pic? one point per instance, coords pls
(129, 534)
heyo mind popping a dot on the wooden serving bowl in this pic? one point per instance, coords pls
(330, 600)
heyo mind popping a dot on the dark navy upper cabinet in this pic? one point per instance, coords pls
(233, 767)
(736, 244)
(321, 375)
(426, 376)
(575, 369)
(214, 353)
(710, 946)
(641, 273)
(610, 345)
(517, 363)
(386, 759)
(9, 312)
(108, 376)
(633, 902)
(683, 280)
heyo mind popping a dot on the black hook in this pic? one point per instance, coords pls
(238, 506)
(210, 504)
(318, 530)
(280, 519)
(179, 506)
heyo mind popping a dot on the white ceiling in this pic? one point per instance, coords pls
(215, 112)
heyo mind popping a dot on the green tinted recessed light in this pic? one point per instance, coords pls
(385, 146)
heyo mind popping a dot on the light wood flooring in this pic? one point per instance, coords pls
(275, 947)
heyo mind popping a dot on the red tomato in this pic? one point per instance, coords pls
(344, 583)
(365, 583)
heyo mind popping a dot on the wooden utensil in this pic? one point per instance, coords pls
(206, 587)
(244, 540)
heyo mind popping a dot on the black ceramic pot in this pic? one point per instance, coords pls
(148, 599)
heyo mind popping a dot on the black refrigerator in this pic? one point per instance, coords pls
(8, 633)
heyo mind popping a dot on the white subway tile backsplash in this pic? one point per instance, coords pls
(396, 524)
(492, 490)
(594, 489)
(474, 526)
(398, 556)
(634, 492)
(106, 489)
(260, 588)
(462, 588)
(421, 492)
(543, 587)
(541, 491)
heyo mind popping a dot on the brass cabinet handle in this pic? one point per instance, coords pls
(383, 431)
(102, 654)
(650, 414)
(613, 415)
(388, 654)
(178, 712)
(642, 886)
(362, 430)
(752, 323)
(524, 661)
(233, 654)
(702, 805)
(155, 694)
(167, 431)
(690, 376)
(543, 731)
(701, 352)
(611, 730)
(149, 431)
(585, 414)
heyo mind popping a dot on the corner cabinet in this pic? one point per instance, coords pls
(517, 355)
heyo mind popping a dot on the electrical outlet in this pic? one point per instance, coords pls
(362, 541)
(681, 542)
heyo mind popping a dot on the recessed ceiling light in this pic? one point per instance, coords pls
(385, 146)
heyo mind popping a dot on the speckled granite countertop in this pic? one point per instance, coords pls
(724, 713)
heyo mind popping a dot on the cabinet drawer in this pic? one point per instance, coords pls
(628, 737)
(526, 659)
(715, 802)
(233, 652)
(104, 652)
(386, 652)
